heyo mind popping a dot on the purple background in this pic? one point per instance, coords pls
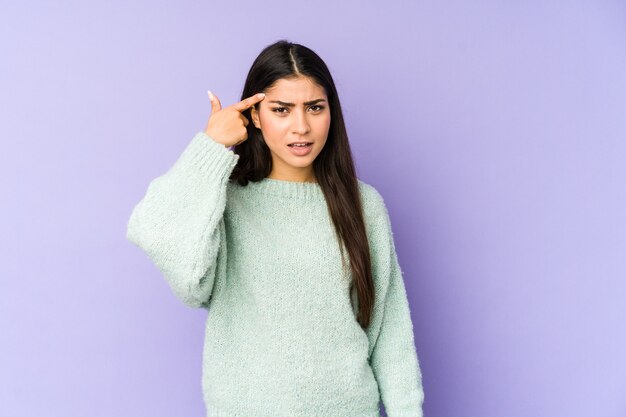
(496, 131)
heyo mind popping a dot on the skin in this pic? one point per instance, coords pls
(281, 125)
(228, 125)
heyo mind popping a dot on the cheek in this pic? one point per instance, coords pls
(324, 124)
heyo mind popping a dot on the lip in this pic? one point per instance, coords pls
(301, 151)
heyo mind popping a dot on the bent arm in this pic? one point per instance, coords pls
(179, 221)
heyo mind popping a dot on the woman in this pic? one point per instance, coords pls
(253, 222)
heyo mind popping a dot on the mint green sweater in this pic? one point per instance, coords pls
(281, 333)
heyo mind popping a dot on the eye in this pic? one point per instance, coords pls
(319, 108)
(275, 109)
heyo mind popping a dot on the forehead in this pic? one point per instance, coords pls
(296, 89)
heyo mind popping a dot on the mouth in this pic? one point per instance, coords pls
(301, 148)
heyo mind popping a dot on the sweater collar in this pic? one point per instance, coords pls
(289, 189)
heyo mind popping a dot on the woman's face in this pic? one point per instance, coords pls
(293, 110)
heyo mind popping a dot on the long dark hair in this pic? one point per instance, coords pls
(333, 167)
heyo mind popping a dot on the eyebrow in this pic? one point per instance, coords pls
(282, 103)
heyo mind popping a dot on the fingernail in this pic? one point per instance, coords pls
(210, 94)
(261, 95)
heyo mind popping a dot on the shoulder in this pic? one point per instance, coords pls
(374, 207)
(378, 228)
(371, 198)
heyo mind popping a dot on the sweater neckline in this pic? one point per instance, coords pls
(289, 189)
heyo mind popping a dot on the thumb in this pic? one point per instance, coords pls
(215, 102)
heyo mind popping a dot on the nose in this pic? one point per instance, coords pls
(300, 123)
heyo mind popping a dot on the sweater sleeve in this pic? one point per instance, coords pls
(179, 221)
(393, 357)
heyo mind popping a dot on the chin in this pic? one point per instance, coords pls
(303, 164)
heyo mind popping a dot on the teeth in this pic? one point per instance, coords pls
(298, 144)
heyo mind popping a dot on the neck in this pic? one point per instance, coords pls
(297, 176)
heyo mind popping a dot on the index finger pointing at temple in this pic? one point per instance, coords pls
(249, 102)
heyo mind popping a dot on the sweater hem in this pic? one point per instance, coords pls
(213, 411)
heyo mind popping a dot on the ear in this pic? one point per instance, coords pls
(254, 114)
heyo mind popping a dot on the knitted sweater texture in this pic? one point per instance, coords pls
(281, 336)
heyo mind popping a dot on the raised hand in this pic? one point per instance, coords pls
(228, 126)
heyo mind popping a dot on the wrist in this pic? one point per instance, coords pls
(214, 139)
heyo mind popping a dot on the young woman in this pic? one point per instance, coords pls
(263, 222)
